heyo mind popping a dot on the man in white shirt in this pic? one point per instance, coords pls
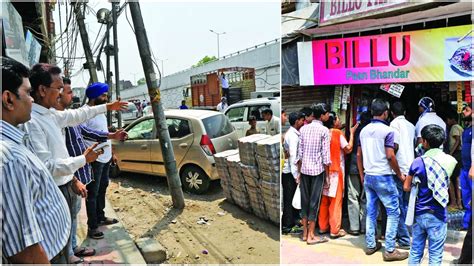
(404, 139)
(95, 204)
(224, 85)
(273, 123)
(46, 130)
(290, 171)
(428, 116)
(222, 105)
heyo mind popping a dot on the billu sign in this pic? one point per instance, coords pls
(418, 56)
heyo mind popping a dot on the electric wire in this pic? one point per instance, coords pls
(153, 59)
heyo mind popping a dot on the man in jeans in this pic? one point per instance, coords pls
(75, 137)
(95, 204)
(376, 159)
(430, 173)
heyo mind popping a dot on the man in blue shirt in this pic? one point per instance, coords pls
(35, 215)
(183, 105)
(431, 174)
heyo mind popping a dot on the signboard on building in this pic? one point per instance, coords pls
(33, 48)
(336, 11)
(433, 55)
(12, 29)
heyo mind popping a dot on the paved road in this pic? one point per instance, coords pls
(349, 250)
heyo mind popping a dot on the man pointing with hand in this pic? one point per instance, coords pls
(46, 129)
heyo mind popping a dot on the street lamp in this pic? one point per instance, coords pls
(162, 67)
(217, 33)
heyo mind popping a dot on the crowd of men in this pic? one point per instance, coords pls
(50, 160)
(395, 168)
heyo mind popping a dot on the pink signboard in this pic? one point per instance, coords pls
(332, 11)
(417, 56)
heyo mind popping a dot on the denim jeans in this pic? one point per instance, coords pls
(466, 191)
(104, 184)
(95, 202)
(75, 208)
(428, 226)
(403, 236)
(381, 188)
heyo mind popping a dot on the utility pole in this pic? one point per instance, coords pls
(85, 44)
(109, 78)
(174, 183)
(117, 76)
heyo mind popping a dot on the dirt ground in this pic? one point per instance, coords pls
(230, 235)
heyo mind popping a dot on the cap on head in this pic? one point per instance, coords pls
(427, 103)
(96, 89)
(224, 99)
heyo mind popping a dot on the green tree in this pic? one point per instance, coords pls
(206, 59)
(141, 81)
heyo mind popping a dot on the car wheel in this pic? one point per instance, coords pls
(114, 171)
(194, 180)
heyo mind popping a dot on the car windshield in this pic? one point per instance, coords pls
(217, 126)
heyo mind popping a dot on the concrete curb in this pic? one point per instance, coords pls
(117, 247)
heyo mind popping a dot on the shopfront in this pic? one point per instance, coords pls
(401, 66)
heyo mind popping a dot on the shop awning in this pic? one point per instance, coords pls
(305, 18)
(446, 11)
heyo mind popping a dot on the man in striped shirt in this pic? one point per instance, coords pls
(313, 159)
(35, 215)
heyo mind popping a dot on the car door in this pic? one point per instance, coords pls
(182, 138)
(256, 110)
(134, 153)
(238, 118)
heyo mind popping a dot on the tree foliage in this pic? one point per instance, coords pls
(206, 59)
(141, 81)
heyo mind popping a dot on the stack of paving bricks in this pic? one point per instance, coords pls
(268, 159)
(248, 148)
(248, 151)
(247, 85)
(223, 172)
(250, 179)
(254, 190)
(239, 191)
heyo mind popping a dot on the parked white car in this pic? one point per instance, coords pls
(240, 112)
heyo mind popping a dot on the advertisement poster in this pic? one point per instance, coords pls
(418, 56)
(394, 89)
(13, 34)
(33, 47)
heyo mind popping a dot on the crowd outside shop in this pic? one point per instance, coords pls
(350, 66)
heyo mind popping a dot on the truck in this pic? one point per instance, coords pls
(206, 90)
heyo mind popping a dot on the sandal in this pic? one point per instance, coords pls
(75, 260)
(84, 251)
(341, 233)
(95, 234)
(108, 221)
(315, 240)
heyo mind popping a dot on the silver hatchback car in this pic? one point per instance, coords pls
(196, 136)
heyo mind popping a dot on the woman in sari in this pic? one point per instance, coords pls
(330, 212)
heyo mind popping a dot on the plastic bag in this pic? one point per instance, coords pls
(297, 199)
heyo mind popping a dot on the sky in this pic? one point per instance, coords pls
(178, 33)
